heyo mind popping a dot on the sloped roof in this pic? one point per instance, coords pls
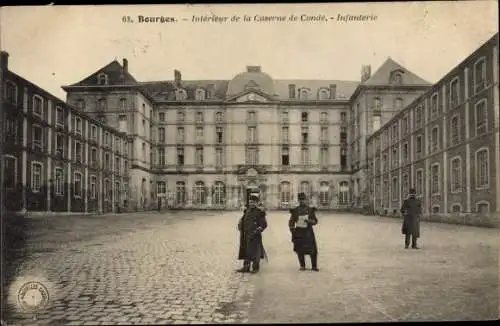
(165, 90)
(344, 88)
(116, 76)
(382, 75)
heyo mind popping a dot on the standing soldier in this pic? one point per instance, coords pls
(301, 224)
(251, 225)
(411, 210)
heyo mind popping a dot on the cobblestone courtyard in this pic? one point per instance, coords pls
(179, 267)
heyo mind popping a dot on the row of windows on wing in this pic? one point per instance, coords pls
(252, 156)
(57, 181)
(220, 193)
(456, 181)
(251, 134)
(406, 125)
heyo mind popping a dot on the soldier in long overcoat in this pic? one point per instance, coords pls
(411, 210)
(301, 222)
(251, 225)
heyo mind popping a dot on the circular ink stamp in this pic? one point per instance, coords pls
(32, 297)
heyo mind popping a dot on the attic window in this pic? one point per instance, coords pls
(102, 79)
(323, 94)
(180, 95)
(304, 94)
(200, 94)
(396, 78)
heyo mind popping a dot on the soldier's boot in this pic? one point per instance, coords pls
(302, 262)
(407, 241)
(245, 268)
(414, 242)
(314, 262)
(255, 266)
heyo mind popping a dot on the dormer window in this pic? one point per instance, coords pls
(180, 95)
(396, 77)
(303, 94)
(102, 79)
(200, 94)
(323, 94)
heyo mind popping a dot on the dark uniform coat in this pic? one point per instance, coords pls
(412, 210)
(251, 225)
(303, 238)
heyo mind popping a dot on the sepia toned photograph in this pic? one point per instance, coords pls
(250, 163)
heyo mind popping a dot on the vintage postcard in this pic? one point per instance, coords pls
(155, 159)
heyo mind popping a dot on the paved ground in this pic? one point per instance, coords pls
(179, 268)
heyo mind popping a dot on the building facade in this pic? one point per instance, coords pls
(118, 143)
(445, 144)
(56, 158)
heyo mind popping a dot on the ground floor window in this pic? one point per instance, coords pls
(285, 193)
(180, 193)
(219, 193)
(343, 192)
(199, 193)
(324, 190)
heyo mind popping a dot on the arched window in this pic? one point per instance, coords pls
(199, 193)
(285, 194)
(304, 94)
(219, 194)
(180, 95)
(324, 193)
(200, 94)
(343, 192)
(305, 187)
(323, 94)
(180, 193)
(218, 117)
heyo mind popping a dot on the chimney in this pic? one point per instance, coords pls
(253, 69)
(291, 90)
(333, 91)
(177, 77)
(366, 72)
(4, 60)
(125, 65)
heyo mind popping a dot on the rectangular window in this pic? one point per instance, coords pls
(284, 134)
(252, 117)
(219, 117)
(59, 181)
(285, 156)
(93, 187)
(482, 172)
(180, 134)
(418, 147)
(418, 117)
(304, 117)
(38, 106)
(219, 135)
(78, 125)
(323, 117)
(284, 117)
(117, 167)
(324, 157)
(161, 116)
(395, 158)
(343, 116)
(59, 144)
(324, 134)
(419, 184)
(395, 134)
(481, 115)
(435, 179)
(456, 175)
(405, 153)
(304, 156)
(37, 138)
(480, 75)
(161, 135)
(252, 156)
(405, 186)
(36, 176)
(199, 156)
(10, 173)
(252, 136)
(199, 117)
(123, 104)
(94, 132)
(180, 116)
(78, 185)
(161, 157)
(305, 135)
(78, 154)
(218, 157)
(455, 130)
(395, 188)
(454, 93)
(59, 116)
(199, 134)
(180, 156)
(434, 139)
(434, 105)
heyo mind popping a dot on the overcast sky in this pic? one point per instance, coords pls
(55, 46)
